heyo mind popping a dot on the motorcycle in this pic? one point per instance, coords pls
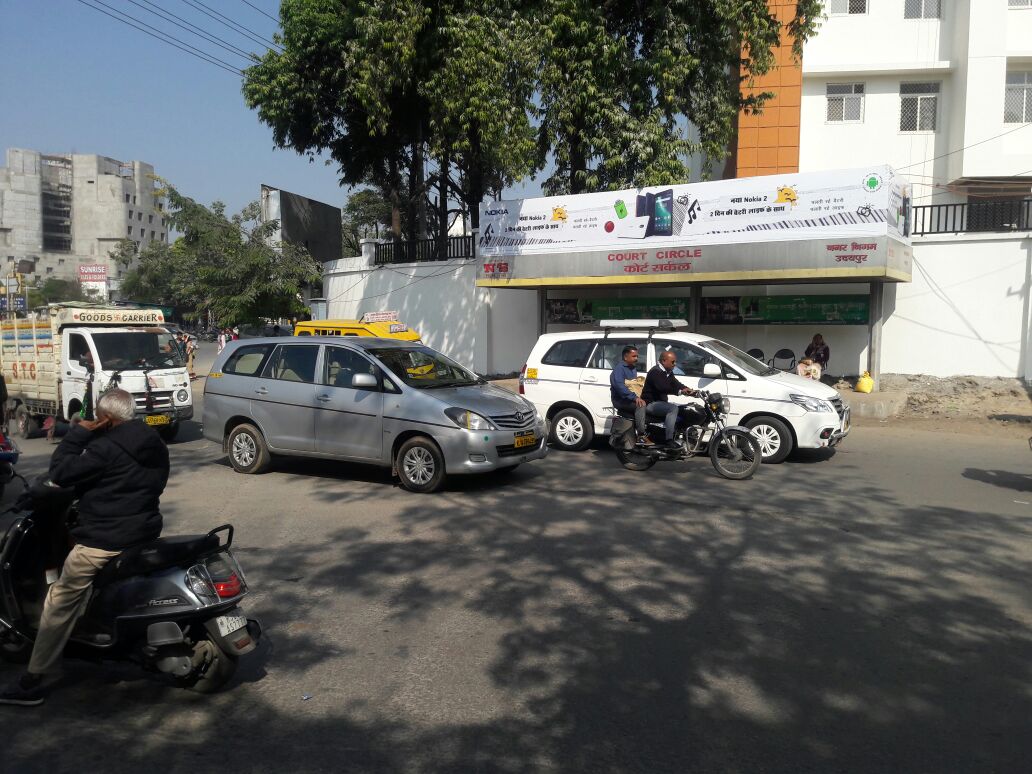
(733, 450)
(171, 605)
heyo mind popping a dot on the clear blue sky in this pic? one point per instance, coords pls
(75, 80)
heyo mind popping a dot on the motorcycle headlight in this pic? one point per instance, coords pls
(811, 404)
(182, 396)
(468, 420)
(725, 405)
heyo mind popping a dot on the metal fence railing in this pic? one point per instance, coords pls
(422, 250)
(973, 217)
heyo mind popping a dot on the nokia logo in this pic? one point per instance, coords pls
(497, 212)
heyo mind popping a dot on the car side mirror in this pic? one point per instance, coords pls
(711, 370)
(364, 381)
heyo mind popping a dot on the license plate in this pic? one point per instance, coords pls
(230, 623)
(156, 419)
(524, 439)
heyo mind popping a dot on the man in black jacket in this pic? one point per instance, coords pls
(119, 468)
(660, 383)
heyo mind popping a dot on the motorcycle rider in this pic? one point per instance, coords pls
(118, 467)
(660, 383)
(621, 395)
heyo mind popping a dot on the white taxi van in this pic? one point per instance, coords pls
(567, 379)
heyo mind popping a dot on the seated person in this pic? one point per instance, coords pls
(659, 385)
(621, 395)
(818, 352)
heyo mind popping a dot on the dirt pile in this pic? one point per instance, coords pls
(1005, 400)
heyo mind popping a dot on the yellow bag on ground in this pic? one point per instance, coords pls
(865, 383)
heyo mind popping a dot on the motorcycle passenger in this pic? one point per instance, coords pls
(621, 395)
(660, 383)
(118, 467)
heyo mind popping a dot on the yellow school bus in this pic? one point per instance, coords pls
(387, 329)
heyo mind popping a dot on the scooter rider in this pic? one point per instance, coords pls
(119, 468)
(660, 383)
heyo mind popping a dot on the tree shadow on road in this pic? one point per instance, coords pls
(1019, 482)
(642, 627)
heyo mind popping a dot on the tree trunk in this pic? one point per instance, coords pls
(395, 197)
(417, 184)
(442, 205)
(476, 178)
(578, 160)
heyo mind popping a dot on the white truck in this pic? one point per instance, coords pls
(64, 358)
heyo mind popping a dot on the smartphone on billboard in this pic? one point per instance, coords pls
(663, 213)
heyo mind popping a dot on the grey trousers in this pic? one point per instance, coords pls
(66, 602)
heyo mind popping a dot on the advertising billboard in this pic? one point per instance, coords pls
(835, 224)
(302, 221)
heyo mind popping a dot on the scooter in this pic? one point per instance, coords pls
(171, 605)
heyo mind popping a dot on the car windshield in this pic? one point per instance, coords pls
(424, 369)
(739, 359)
(137, 349)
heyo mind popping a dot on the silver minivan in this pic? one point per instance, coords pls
(379, 401)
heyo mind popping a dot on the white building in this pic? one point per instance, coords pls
(60, 212)
(941, 90)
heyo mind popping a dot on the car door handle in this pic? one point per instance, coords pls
(261, 391)
(323, 398)
(591, 378)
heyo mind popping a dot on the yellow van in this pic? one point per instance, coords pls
(384, 329)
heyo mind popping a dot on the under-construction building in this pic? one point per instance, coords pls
(62, 212)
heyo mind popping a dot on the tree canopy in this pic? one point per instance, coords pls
(453, 100)
(221, 264)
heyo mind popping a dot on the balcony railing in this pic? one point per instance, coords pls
(973, 217)
(423, 250)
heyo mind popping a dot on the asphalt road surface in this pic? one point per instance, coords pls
(866, 610)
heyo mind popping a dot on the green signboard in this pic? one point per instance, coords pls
(590, 310)
(786, 310)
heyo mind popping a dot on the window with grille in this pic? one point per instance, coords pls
(919, 105)
(845, 102)
(1020, 3)
(847, 6)
(922, 9)
(1017, 104)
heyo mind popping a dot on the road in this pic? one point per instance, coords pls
(866, 610)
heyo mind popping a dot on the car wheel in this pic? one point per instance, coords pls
(420, 466)
(247, 450)
(571, 430)
(774, 437)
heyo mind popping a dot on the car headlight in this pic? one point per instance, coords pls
(182, 396)
(468, 420)
(811, 404)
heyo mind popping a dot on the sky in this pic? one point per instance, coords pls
(73, 80)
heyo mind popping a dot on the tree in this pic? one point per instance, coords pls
(225, 265)
(366, 215)
(53, 290)
(471, 95)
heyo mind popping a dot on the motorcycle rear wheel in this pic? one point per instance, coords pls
(735, 454)
(15, 650)
(635, 460)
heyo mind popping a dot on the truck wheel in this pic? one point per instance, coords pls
(247, 450)
(26, 423)
(168, 433)
(571, 430)
(774, 437)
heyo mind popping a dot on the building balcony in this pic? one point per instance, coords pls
(973, 217)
